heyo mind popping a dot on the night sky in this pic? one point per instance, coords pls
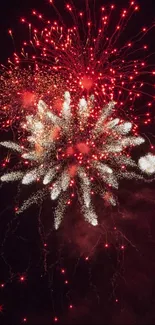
(78, 274)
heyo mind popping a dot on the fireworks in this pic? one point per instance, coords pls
(74, 151)
(147, 163)
(91, 57)
(79, 145)
(85, 56)
(22, 88)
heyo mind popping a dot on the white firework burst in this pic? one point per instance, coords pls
(147, 163)
(75, 149)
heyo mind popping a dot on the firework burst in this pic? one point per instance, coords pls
(75, 153)
(90, 54)
(79, 145)
(83, 54)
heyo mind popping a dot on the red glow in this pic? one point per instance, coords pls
(28, 99)
(70, 151)
(86, 82)
(83, 148)
(55, 133)
(22, 278)
(57, 104)
(72, 170)
(55, 319)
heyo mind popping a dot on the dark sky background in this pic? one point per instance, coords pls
(70, 274)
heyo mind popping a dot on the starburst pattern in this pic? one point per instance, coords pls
(147, 163)
(84, 52)
(74, 151)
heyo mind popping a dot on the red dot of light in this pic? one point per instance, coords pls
(86, 82)
(82, 147)
(28, 99)
(72, 170)
(55, 319)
